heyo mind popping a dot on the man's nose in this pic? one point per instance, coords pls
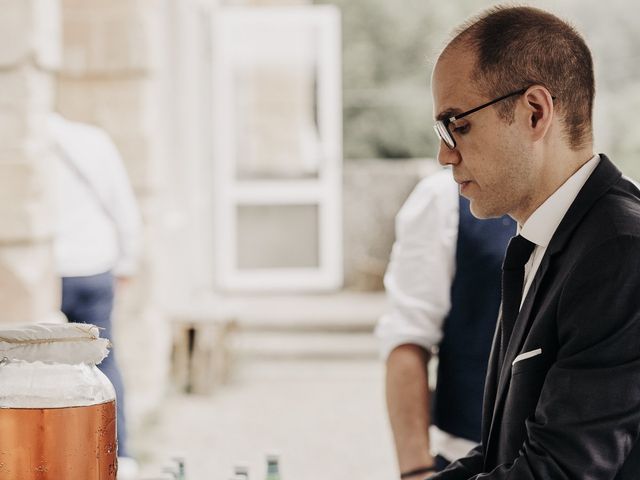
(448, 156)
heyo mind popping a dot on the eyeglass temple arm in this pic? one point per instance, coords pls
(484, 105)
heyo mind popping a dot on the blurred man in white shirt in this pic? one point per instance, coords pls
(97, 236)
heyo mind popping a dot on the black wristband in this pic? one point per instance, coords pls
(417, 471)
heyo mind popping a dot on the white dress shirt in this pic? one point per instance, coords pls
(92, 236)
(422, 265)
(544, 221)
(418, 280)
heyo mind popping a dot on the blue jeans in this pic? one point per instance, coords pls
(90, 300)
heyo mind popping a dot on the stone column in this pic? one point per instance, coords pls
(111, 77)
(29, 54)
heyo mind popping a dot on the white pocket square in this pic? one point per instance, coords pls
(525, 355)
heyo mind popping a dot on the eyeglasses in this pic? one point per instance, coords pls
(442, 126)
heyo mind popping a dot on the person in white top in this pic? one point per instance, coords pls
(97, 236)
(440, 254)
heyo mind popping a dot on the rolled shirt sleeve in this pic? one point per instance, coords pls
(422, 266)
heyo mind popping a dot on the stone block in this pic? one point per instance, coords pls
(111, 37)
(22, 182)
(20, 130)
(124, 106)
(26, 87)
(29, 288)
(27, 208)
(30, 29)
(16, 127)
(47, 34)
(15, 31)
(31, 149)
(26, 97)
(30, 220)
(271, 3)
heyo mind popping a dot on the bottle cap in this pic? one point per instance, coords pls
(241, 468)
(178, 457)
(273, 457)
(171, 470)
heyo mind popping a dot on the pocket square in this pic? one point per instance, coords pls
(525, 355)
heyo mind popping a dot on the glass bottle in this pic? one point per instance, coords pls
(241, 470)
(181, 466)
(172, 472)
(273, 467)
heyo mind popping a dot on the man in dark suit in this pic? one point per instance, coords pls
(513, 95)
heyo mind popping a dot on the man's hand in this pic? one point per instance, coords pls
(122, 282)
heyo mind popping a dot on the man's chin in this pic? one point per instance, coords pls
(483, 212)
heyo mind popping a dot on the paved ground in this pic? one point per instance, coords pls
(325, 417)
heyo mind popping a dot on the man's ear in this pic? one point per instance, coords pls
(539, 107)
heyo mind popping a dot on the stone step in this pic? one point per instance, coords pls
(211, 334)
(303, 346)
(338, 312)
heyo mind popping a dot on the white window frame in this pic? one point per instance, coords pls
(325, 191)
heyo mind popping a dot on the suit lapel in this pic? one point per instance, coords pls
(491, 383)
(598, 183)
(601, 180)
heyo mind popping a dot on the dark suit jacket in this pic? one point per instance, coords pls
(573, 411)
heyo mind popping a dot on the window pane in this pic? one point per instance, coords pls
(278, 236)
(275, 102)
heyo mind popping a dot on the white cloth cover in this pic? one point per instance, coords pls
(69, 343)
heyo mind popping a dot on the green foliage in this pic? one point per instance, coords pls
(388, 48)
(388, 52)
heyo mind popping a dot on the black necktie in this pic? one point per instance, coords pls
(518, 253)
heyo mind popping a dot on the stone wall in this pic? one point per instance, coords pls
(111, 76)
(29, 55)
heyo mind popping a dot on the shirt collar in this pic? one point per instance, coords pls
(543, 222)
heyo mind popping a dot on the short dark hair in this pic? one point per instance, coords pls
(517, 47)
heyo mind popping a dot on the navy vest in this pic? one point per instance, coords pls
(468, 329)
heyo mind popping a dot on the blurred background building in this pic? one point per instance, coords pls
(270, 144)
